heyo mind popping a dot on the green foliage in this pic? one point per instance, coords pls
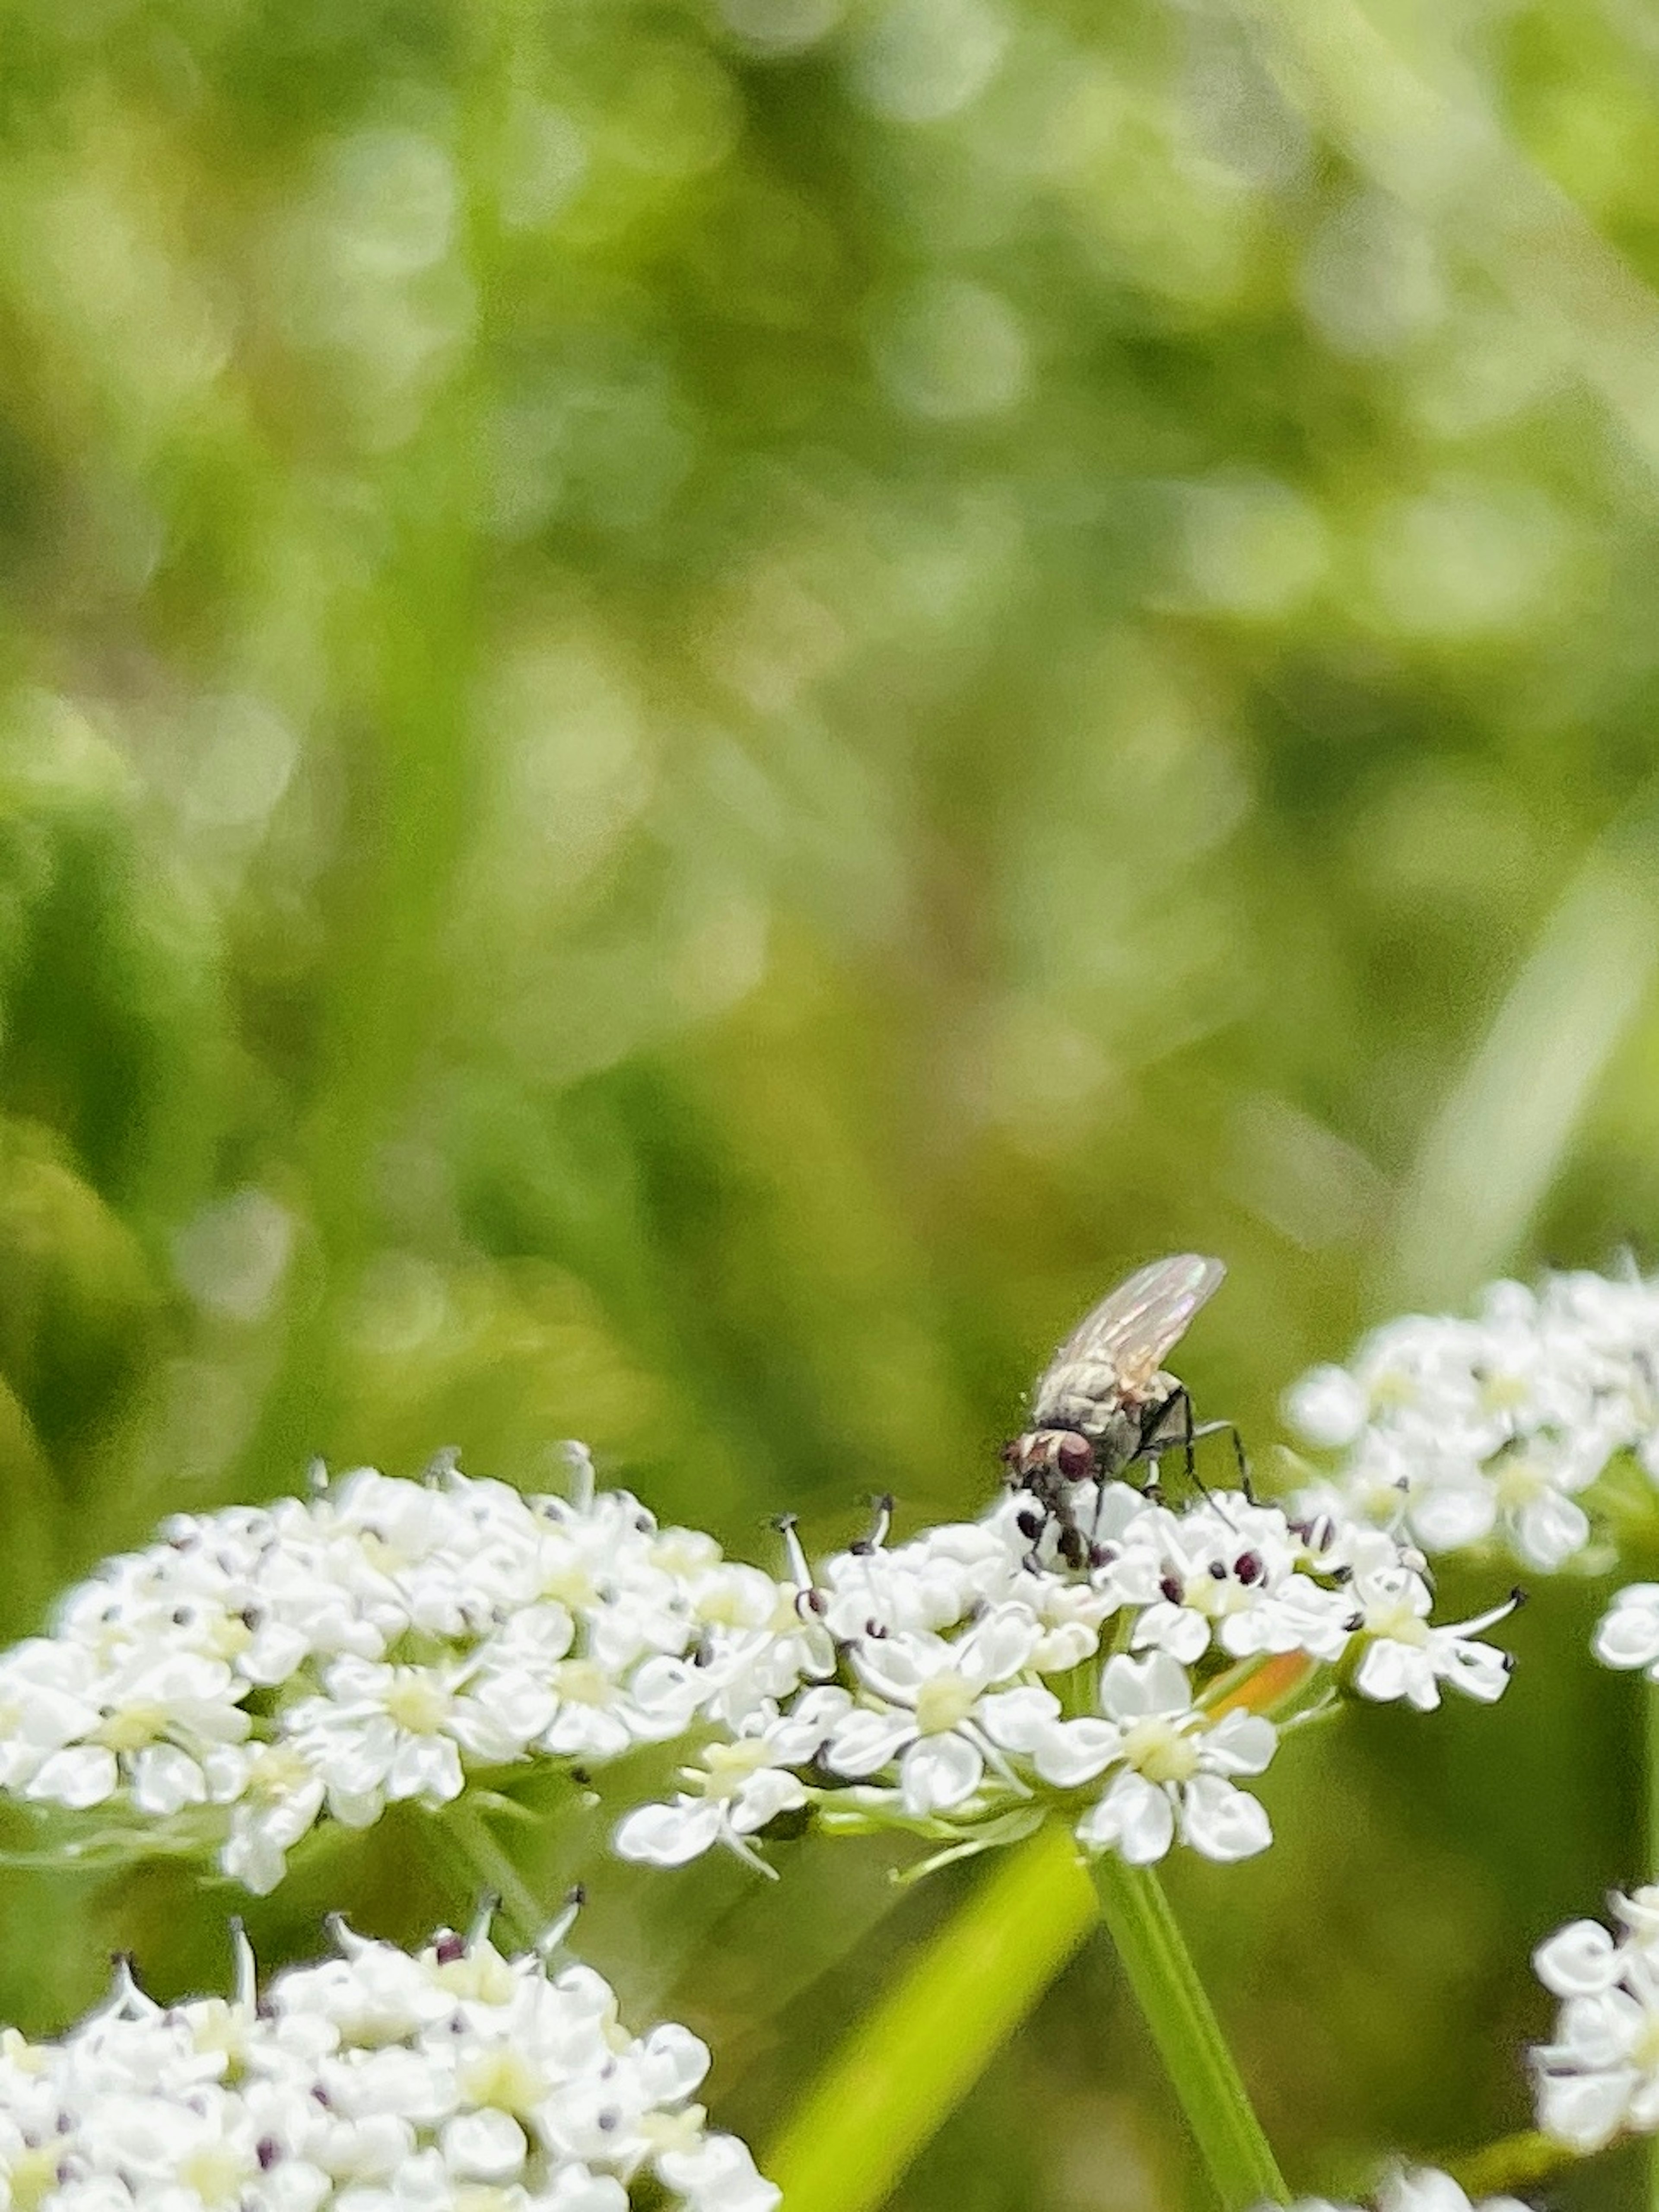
(703, 707)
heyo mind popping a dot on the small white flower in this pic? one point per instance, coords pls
(1600, 2076)
(1405, 1656)
(927, 1710)
(740, 1786)
(1172, 1767)
(1627, 1634)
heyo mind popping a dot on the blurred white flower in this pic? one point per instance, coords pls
(1423, 2189)
(1466, 1431)
(1600, 2076)
(378, 2079)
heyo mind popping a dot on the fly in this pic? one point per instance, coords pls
(1104, 1402)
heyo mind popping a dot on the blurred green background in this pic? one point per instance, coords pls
(703, 707)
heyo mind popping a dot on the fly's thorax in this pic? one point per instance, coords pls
(1114, 1421)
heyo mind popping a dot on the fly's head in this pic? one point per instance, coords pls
(1047, 1452)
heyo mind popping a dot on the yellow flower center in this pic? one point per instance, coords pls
(502, 2080)
(416, 1704)
(1160, 1750)
(943, 1702)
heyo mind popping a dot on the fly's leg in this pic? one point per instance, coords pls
(1155, 1435)
(1231, 1429)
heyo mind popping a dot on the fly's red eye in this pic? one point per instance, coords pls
(1074, 1456)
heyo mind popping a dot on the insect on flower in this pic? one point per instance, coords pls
(1104, 1402)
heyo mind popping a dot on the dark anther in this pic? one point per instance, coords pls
(1218, 1570)
(1247, 1567)
(448, 1947)
(1171, 1590)
(1029, 1523)
(268, 2152)
(874, 1629)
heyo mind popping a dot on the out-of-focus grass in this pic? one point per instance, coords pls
(702, 708)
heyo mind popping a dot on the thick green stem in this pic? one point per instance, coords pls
(1206, 2083)
(906, 2067)
(1518, 2162)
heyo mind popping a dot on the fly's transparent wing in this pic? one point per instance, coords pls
(1131, 1329)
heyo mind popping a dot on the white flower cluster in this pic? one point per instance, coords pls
(1425, 2189)
(1600, 2076)
(964, 1683)
(375, 2082)
(1458, 1431)
(258, 1668)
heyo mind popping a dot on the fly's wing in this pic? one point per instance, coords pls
(1131, 1329)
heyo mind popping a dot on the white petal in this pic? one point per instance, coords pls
(865, 1741)
(1017, 1720)
(1185, 1635)
(1581, 1959)
(484, 2145)
(83, 1774)
(1239, 1743)
(166, 1779)
(1222, 1822)
(939, 1772)
(769, 1791)
(1134, 1817)
(1074, 1752)
(1391, 1670)
(1627, 1634)
(669, 1835)
(1132, 1689)
(1550, 1529)
(1000, 1644)
(1585, 2111)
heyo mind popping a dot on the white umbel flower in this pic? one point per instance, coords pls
(966, 1708)
(1489, 1429)
(257, 1670)
(377, 2082)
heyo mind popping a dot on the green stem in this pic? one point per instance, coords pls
(523, 1910)
(1229, 2136)
(1517, 2161)
(904, 2068)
